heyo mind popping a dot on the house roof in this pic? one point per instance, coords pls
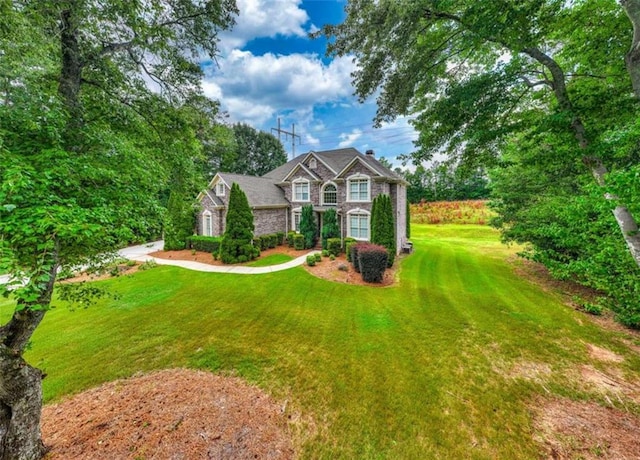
(260, 191)
(337, 160)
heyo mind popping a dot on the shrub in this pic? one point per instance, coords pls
(354, 256)
(308, 227)
(242, 258)
(264, 242)
(257, 242)
(383, 225)
(318, 256)
(272, 240)
(298, 242)
(347, 247)
(311, 260)
(330, 228)
(334, 246)
(204, 243)
(325, 253)
(372, 260)
(332, 257)
(290, 237)
(238, 235)
(149, 264)
(279, 238)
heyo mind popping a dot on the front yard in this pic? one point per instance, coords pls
(461, 358)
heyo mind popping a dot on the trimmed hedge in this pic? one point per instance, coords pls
(290, 237)
(372, 260)
(311, 260)
(279, 238)
(204, 243)
(354, 256)
(334, 246)
(272, 240)
(347, 249)
(298, 242)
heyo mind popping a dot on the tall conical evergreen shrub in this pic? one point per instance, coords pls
(383, 227)
(330, 227)
(308, 227)
(237, 241)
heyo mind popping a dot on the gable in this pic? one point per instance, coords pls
(358, 166)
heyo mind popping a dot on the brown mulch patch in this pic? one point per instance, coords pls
(170, 414)
(577, 429)
(326, 268)
(123, 269)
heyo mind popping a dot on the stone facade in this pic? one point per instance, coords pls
(316, 170)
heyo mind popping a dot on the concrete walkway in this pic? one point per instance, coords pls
(141, 254)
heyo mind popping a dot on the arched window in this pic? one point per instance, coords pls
(207, 226)
(301, 190)
(358, 188)
(358, 224)
(330, 195)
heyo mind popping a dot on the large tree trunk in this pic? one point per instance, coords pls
(21, 384)
(632, 59)
(627, 223)
(20, 408)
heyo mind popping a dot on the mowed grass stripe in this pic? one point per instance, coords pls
(418, 370)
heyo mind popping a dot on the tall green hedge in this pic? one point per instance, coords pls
(237, 241)
(383, 227)
(308, 226)
(330, 227)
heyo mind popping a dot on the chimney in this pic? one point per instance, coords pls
(370, 153)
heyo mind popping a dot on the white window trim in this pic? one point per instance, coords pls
(206, 215)
(293, 190)
(295, 212)
(220, 190)
(322, 194)
(359, 211)
(359, 176)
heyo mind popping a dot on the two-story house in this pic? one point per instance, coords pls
(343, 179)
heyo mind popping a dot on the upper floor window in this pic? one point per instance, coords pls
(301, 190)
(358, 188)
(220, 189)
(330, 195)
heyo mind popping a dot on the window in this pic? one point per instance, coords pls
(220, 189)
(330, 195)
(313, 164)
(207, 227)
(358, 225)
(296, 221)
(358, 188)
(301, 190)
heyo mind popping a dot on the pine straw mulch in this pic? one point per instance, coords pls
(338, 270)
(170, 414)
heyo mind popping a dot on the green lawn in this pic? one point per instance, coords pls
(420, 370)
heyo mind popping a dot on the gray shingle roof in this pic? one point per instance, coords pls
(260, 191)
(337, 160)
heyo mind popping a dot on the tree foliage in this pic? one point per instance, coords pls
(237, 241)
(517, 86)
(330, 228)
(308, 226)
(444, 181)
(94, 126)
(383, 227)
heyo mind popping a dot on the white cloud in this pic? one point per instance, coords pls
(276, 83)
(264, 18)
(350, 138)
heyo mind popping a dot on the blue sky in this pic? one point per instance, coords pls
(270, 69)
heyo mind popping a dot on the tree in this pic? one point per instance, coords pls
(471, 72)
(330, 228)
(179, 222)
(91, 132)
(308, 226)
(383, 228)
(237, 241)
(256, 153)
